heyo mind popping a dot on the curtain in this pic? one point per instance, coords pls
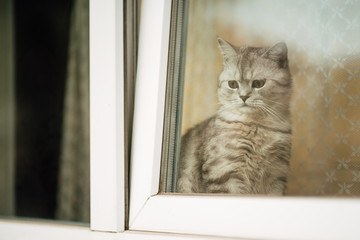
(324, 55)
(74, 178)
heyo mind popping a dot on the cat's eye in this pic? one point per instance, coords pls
(258, 83)
(233, 84)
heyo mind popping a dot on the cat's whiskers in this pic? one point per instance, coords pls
(267, 109)
(277, 103)
(261, 108)
(272, 112)
(268, 100)
(233, 103)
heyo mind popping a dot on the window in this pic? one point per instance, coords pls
(167, 216)
(324, 78)
(207, 214)
(107, 142)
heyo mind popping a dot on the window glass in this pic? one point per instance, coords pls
(45, 110)
(262, 98)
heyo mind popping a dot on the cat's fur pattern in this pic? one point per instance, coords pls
(243, 149)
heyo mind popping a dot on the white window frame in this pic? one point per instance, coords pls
(228, 216)
(107, 171)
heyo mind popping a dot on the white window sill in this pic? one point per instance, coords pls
(19, 230)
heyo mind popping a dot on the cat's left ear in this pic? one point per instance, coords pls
(278, 53)
(227, 49)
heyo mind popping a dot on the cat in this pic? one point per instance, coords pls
(245, 147)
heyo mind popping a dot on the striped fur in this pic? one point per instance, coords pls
(245, 148)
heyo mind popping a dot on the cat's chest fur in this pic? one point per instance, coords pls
(238, 157)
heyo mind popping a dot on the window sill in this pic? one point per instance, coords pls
(19, 230)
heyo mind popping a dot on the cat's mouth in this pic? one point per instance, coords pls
(246, 105)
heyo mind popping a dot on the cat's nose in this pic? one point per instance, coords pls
(244, 98)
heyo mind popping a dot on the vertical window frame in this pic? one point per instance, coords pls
(107, 142)
(149, 114)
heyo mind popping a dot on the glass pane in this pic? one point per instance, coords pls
(263, 98)
(45, 109)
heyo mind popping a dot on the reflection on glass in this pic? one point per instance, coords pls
(44, 106)
(321, 38)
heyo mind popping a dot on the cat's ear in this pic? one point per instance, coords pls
(278, 53)
(227, 49)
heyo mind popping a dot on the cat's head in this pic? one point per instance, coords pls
(255, 82)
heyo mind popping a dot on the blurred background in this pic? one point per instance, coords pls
(324, 55)
(44, 109)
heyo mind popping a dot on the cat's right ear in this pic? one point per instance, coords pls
(278, 53)
(227, 49)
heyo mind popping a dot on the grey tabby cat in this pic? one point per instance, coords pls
(244, 148)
